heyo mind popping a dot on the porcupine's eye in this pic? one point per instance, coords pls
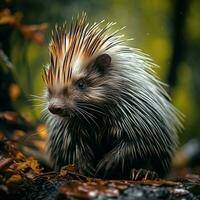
(81, 84)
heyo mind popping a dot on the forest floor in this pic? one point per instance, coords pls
(24, 177)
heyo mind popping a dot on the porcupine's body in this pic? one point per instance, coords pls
(108, 114)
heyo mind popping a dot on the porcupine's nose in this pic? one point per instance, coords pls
(55, 109)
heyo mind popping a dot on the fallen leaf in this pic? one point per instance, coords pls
(67, 169)
(7, 18)
(14, 180)
(18, 134)
(14, 91)
(30, 163)
(4, 162)
(34, 165)
(19, 156)
(22, 166)
(34, 32)
(8, 116)
(42, 131)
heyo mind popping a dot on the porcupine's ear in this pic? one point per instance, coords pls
(102, 63)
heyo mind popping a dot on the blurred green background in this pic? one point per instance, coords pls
(168, 30)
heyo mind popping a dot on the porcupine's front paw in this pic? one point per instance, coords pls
(139, 174)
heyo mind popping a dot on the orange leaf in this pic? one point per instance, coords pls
(14, 91)
(34, 165)
(42, 131)
(7, 18)
(14, 180)
(30, 163)
(19, 156)
(21, 166)
(18, 134)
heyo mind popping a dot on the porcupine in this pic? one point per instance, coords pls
(107, 111)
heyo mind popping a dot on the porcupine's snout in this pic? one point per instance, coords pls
(58, 108)
(55, 109)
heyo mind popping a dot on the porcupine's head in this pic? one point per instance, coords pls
(78, 74)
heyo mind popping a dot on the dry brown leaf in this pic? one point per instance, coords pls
(14, 180)
(22, 166)
(42, 131)
(66, 169)
(19, 156)
(34, 32)
(7, 18)
(14, 91)
(30, 163)
(4, 162)
(18, 134)
(34, 165)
